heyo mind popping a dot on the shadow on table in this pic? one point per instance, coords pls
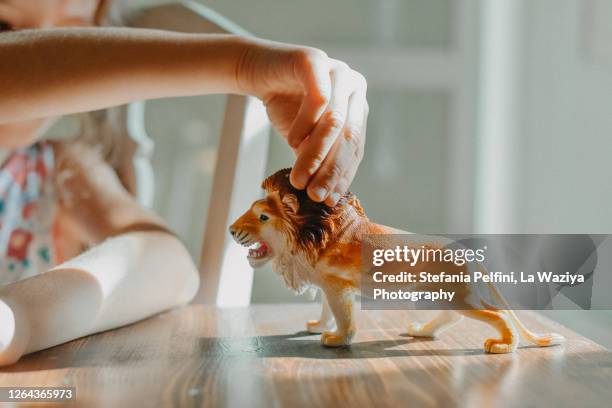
(306, 345)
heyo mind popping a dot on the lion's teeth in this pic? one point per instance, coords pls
(258, 250)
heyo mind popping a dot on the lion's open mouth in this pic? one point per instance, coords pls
(259, 250)
(259, 254)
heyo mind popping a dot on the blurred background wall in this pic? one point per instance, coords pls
(486, 116)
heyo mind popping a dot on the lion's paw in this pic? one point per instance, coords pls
(333, 339)
(317, 327)
(496, 346)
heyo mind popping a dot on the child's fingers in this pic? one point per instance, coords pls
(344, 157)
(340, 189)
(313, 150)
(312, 68)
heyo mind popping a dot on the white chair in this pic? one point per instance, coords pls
(226, 277)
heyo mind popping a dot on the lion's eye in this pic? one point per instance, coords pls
(264, 217)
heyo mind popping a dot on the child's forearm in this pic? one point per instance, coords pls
(53, 72)
(123, 280)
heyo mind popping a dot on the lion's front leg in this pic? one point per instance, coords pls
(326, 321)
(340, 300)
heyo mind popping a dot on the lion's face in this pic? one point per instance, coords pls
(287, 220)
(264, 228)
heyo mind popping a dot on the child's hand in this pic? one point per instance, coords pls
(318, 104)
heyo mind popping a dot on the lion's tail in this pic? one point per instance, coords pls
(540, 339)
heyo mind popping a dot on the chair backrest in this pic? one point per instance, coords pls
(225, 275)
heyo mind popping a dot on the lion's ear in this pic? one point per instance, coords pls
(291, 202)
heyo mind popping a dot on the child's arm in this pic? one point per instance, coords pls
(123, 280)
(46, 73)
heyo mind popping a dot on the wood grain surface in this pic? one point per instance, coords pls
(258, 357)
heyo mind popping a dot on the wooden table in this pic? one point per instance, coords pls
(257, 356)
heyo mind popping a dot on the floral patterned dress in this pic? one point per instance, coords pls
(27, 209)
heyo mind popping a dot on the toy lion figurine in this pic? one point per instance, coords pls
(311, 244)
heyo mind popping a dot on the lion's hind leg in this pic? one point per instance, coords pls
(542, 340)
(508, 341)
(434, 327)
